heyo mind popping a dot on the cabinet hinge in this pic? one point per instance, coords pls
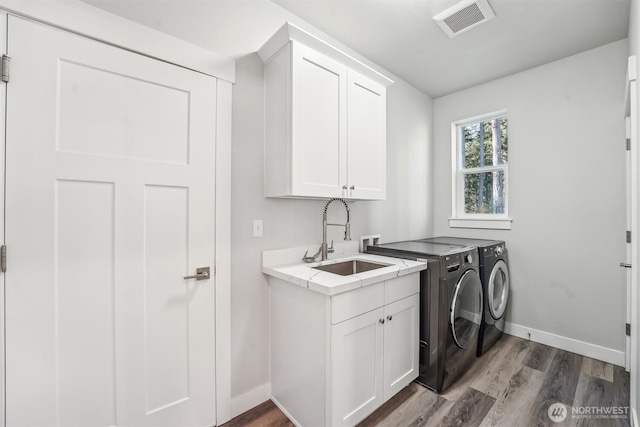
(628, 236)
(628, 329)
(628, 144)
(3, 258)
(5, 68)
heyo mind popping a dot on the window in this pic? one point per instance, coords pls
(480, 169)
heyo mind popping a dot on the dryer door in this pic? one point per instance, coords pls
(466, 309)
(498, 289)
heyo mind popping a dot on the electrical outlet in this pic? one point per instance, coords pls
(257, 228)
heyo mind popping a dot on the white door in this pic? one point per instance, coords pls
(109, 203)
(401, 338)
(319, 116)
(367, 138)
(356, 368)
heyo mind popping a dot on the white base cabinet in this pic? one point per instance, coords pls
(334, 360)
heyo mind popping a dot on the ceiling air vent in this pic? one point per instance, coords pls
(464, 16)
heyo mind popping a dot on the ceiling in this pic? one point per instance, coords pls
(398, 35)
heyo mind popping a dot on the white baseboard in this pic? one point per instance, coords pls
(285, 412)
(593, 351)
(250, 399)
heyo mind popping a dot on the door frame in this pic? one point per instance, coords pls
(85, 20)
(633, 342)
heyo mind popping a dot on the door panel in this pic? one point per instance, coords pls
(84, 289)
(109, 203)
(166, 297)
(367, 103)
(356, 367)
(319, 124)
(154, 118)
(401, 337)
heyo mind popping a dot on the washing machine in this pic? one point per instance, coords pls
(450, 308)
(494, 274)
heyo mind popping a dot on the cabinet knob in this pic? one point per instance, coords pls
(389, 318)
(381, 321)
(344, 187)
(353, 187)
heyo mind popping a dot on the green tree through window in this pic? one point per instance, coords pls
(484, 150)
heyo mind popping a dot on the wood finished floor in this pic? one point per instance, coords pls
(512, 385)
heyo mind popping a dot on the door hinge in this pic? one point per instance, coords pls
(3, 258)
(5, 68)
(628, 144)
(628, 236)
(628, 329)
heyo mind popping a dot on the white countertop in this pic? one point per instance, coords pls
(280, 264)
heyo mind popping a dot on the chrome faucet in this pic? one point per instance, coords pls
(324, 249)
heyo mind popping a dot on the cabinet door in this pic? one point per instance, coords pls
(319, 97)
(356, 368)
(367, 138)
(401, 344)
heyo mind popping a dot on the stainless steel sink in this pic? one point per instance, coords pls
(353, 266)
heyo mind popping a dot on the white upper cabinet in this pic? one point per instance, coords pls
(325, 113)
(366, 138)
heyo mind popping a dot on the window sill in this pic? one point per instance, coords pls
(488, 223)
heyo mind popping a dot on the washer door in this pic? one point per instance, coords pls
(466, 309)
(498, 289)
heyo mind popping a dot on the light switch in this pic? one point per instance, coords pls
(257, 228)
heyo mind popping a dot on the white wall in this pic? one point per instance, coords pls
(566, 193)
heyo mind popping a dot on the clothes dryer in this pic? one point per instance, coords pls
(450, 308)
(494, 273)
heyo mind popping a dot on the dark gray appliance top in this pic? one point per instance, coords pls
(462, 241)
(416, 248)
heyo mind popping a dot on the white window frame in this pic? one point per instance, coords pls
(460, 219)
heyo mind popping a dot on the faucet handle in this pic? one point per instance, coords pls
(312, 258)
(330, 249)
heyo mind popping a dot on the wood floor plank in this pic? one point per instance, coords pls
(595, 405)
(559, 386)
(266, 414)
(478, 369)
(540, 357)
(434, 415)
(499, 372)
(422, 409)
(413, 399)
(469, 410)
(598, 369)
(621, 389)
(513, 404)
